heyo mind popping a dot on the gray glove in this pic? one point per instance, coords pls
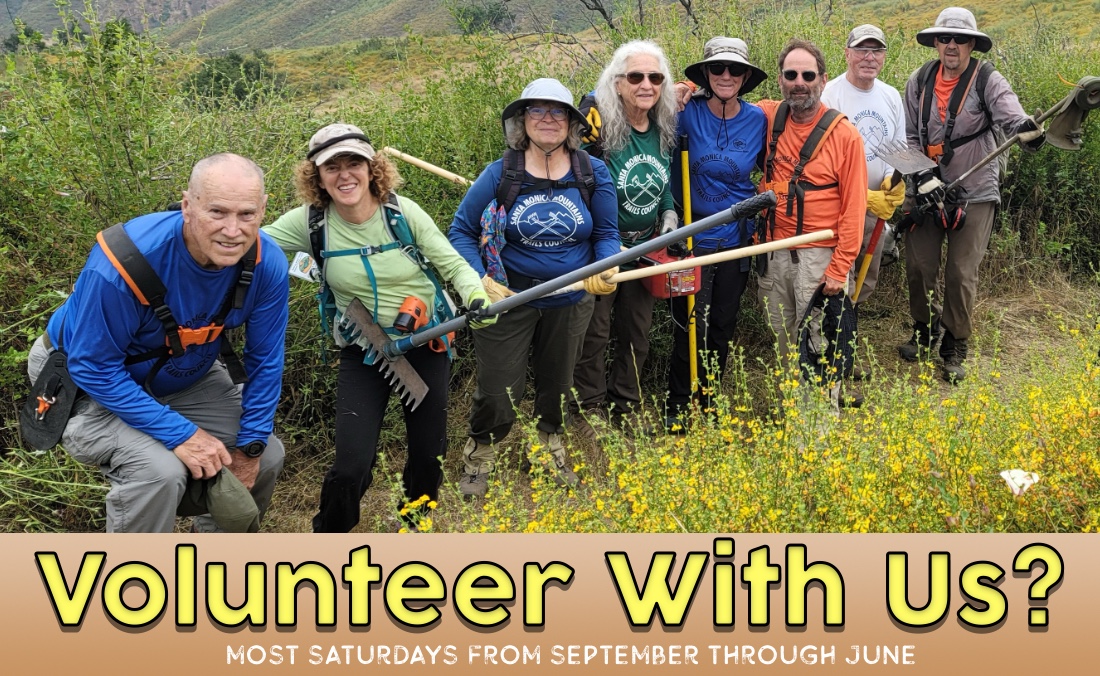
(669, 221)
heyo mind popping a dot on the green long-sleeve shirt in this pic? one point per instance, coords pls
(397, 275)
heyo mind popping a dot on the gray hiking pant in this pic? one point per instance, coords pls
(148, 480)
(952, 303)
(553, 338)
(871, 280)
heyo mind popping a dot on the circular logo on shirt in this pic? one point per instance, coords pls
(874, 130)
(714, 177)
(546, 222)
(641, 183)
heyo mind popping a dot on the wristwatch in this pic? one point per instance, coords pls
(253, 449)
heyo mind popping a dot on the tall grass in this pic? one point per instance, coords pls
(100, 131)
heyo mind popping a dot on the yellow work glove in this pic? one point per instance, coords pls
(882, 203)
(496, 291)
(594, 123)
(478, 302)
(598, 285)
(896, 195)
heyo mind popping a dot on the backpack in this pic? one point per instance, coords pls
(150, 291)
(511, 178)
(797, 186)
(397, 227)
(975, 76)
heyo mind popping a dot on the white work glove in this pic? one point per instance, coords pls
(669, 221)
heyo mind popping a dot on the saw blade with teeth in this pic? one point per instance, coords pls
(398, 372)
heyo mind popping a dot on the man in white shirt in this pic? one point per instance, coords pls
(876, 110)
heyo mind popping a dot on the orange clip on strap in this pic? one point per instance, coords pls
(934, 152)
(437, 344)
(201, 336)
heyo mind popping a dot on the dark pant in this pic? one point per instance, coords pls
(362, 394)
(632, 305)
(553, 339)
(716, 307)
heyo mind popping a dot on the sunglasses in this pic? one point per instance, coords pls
(957, 39)
(735, 69)
(864, 51)
(807, 75)
(636, 78)
(540, 113)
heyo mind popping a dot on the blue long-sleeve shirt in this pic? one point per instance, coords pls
(721, 155)
(546, 235)
(104, 323)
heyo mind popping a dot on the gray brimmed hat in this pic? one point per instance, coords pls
(339, 139)
(866, 32)
(956, 21)
(542, 89)
(725, 50)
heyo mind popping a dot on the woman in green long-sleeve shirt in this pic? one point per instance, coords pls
(342, 176)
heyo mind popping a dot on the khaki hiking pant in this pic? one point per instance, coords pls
(786, 291)
(147, 480)
(953, 302)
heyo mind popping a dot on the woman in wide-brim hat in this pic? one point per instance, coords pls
(957, 21)
(352, 188)
(553, 226)
(725, 134)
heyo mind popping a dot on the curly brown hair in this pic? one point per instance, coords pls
(384, 179)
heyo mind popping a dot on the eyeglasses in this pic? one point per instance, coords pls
(807, 75)
(735, 69)
(540, 113)
(636, 78)
(957, 39)
(865, 51)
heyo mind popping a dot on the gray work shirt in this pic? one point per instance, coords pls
(1006, 112)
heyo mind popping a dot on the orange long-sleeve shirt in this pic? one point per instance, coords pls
(840, 159)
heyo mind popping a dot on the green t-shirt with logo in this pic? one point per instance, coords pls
(641, 175)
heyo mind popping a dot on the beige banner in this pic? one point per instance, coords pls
(438, 603)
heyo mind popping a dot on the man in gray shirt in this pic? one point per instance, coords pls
(952, 105)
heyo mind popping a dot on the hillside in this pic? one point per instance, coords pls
(214, 25)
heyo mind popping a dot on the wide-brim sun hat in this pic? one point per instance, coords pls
(339, 139)
(725, 50)
(956, 21)
(542, 89)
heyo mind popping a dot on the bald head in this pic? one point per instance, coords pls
(223, 207)
(223, 164)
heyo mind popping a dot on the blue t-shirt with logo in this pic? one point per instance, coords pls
(548, 233)
(721, 156)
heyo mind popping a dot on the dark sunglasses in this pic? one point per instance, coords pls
(735, 69)
(792, 75)
(957, 39)
(636, 78)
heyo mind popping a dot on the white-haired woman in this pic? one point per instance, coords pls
(541, 211)
(636, 135)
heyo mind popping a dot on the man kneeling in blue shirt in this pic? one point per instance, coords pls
(158, 407)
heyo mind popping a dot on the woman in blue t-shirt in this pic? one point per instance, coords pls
(725, 135)
(555, 224)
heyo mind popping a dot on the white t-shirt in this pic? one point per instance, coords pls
(878, 114)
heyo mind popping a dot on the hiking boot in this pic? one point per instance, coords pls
(953, 351)
(920, 343)
(562, 473)
(474, 485)
(478, 460)
(851, 400)
(858, 375)
(589, 423)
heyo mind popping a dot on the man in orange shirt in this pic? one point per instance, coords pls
(820, 186)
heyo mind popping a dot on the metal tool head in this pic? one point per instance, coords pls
(903, 158)
(407, 384)
(1065, 130)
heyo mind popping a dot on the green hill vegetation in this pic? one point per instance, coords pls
(95, 132)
